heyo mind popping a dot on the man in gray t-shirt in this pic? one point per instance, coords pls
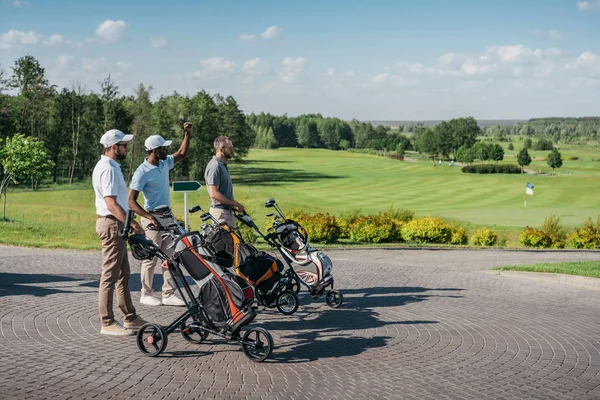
(218, 183)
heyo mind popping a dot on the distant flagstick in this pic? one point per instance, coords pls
(528, 191)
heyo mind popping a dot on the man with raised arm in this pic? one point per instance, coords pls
(152, 179)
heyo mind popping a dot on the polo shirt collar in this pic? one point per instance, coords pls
(110, 161)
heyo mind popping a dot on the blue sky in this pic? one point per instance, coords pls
(376, 60)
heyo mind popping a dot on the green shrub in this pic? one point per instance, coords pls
(554, 229)
(402, 214)
(531, 237)
(248, 234)
(321, 227)
(491, 169)
(484, 237)
(427, 230)
(587, 237)
(381, 228)
(345, 220)
(459, 235)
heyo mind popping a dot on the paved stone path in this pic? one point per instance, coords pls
(416, 324)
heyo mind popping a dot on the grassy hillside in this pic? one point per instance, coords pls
(335, 182)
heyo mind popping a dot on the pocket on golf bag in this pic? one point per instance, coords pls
(261, 271)
(222, 298)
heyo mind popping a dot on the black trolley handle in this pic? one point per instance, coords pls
(127, 228)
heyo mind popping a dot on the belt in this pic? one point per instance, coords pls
(222, 207)
(108, 217)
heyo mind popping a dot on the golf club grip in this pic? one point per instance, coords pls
(127, 227)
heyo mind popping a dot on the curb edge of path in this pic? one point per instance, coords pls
(547, 277)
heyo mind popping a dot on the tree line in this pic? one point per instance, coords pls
(70, 121)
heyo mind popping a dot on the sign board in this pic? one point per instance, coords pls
(186, 186)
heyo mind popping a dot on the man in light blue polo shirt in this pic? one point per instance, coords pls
(152, 179)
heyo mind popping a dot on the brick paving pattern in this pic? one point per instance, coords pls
(416, 324)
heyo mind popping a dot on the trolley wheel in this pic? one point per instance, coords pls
(334, 298)
(287, 302)
(295, 286)
(257, 344)
(152, 339)
(193, 333)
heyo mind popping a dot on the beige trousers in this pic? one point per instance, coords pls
(115, 272)
(224, 216)
(148, 266)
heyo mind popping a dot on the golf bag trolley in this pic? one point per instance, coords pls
(221, 308)
(308, 267)
(263, 272)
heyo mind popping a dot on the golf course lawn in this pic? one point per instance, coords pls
(318, 180)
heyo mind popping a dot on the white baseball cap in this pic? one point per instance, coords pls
(156, 141)
(113, 137)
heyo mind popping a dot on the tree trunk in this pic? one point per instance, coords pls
(3, 188)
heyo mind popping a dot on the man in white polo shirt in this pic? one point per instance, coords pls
(111, 209)
(152, 179)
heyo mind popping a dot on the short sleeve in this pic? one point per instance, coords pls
(170, 161)
(108, 183)
(137, 181)
(212, 176)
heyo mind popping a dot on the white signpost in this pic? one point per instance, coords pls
(185, 187)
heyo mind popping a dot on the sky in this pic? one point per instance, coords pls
(378, 60)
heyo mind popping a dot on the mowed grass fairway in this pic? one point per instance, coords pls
(319, 180)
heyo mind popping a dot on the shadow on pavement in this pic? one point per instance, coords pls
(12, 284)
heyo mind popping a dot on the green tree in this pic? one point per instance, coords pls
(523, 158)
(24, 158)
(308, 134)
(34, 99)
(527, 143)
(425, 141)
(142, 126)
(232, 123)
(511, 146)
(496, 153)
(554, 160)
(463, 132)
(543, 144)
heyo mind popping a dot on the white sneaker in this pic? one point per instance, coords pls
(173, 300)
(150, 301)
(115, 329)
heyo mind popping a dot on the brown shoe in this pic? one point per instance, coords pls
(115, 329)
(135, 324)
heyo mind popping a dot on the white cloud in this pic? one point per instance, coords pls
(387, 80)
(515, 54)
(247, 38)
(94, 65)
(158, 43)
(292, 69)
(101, 66)
(215, 66)
(552, 34)
(14, 38)
(64, 62)
(345, 74)
(256, 66)
(586, 65)
(13, 3)
(272, 32)
(110, 31)
(477, 67)
(588, 5)
(54, 40)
